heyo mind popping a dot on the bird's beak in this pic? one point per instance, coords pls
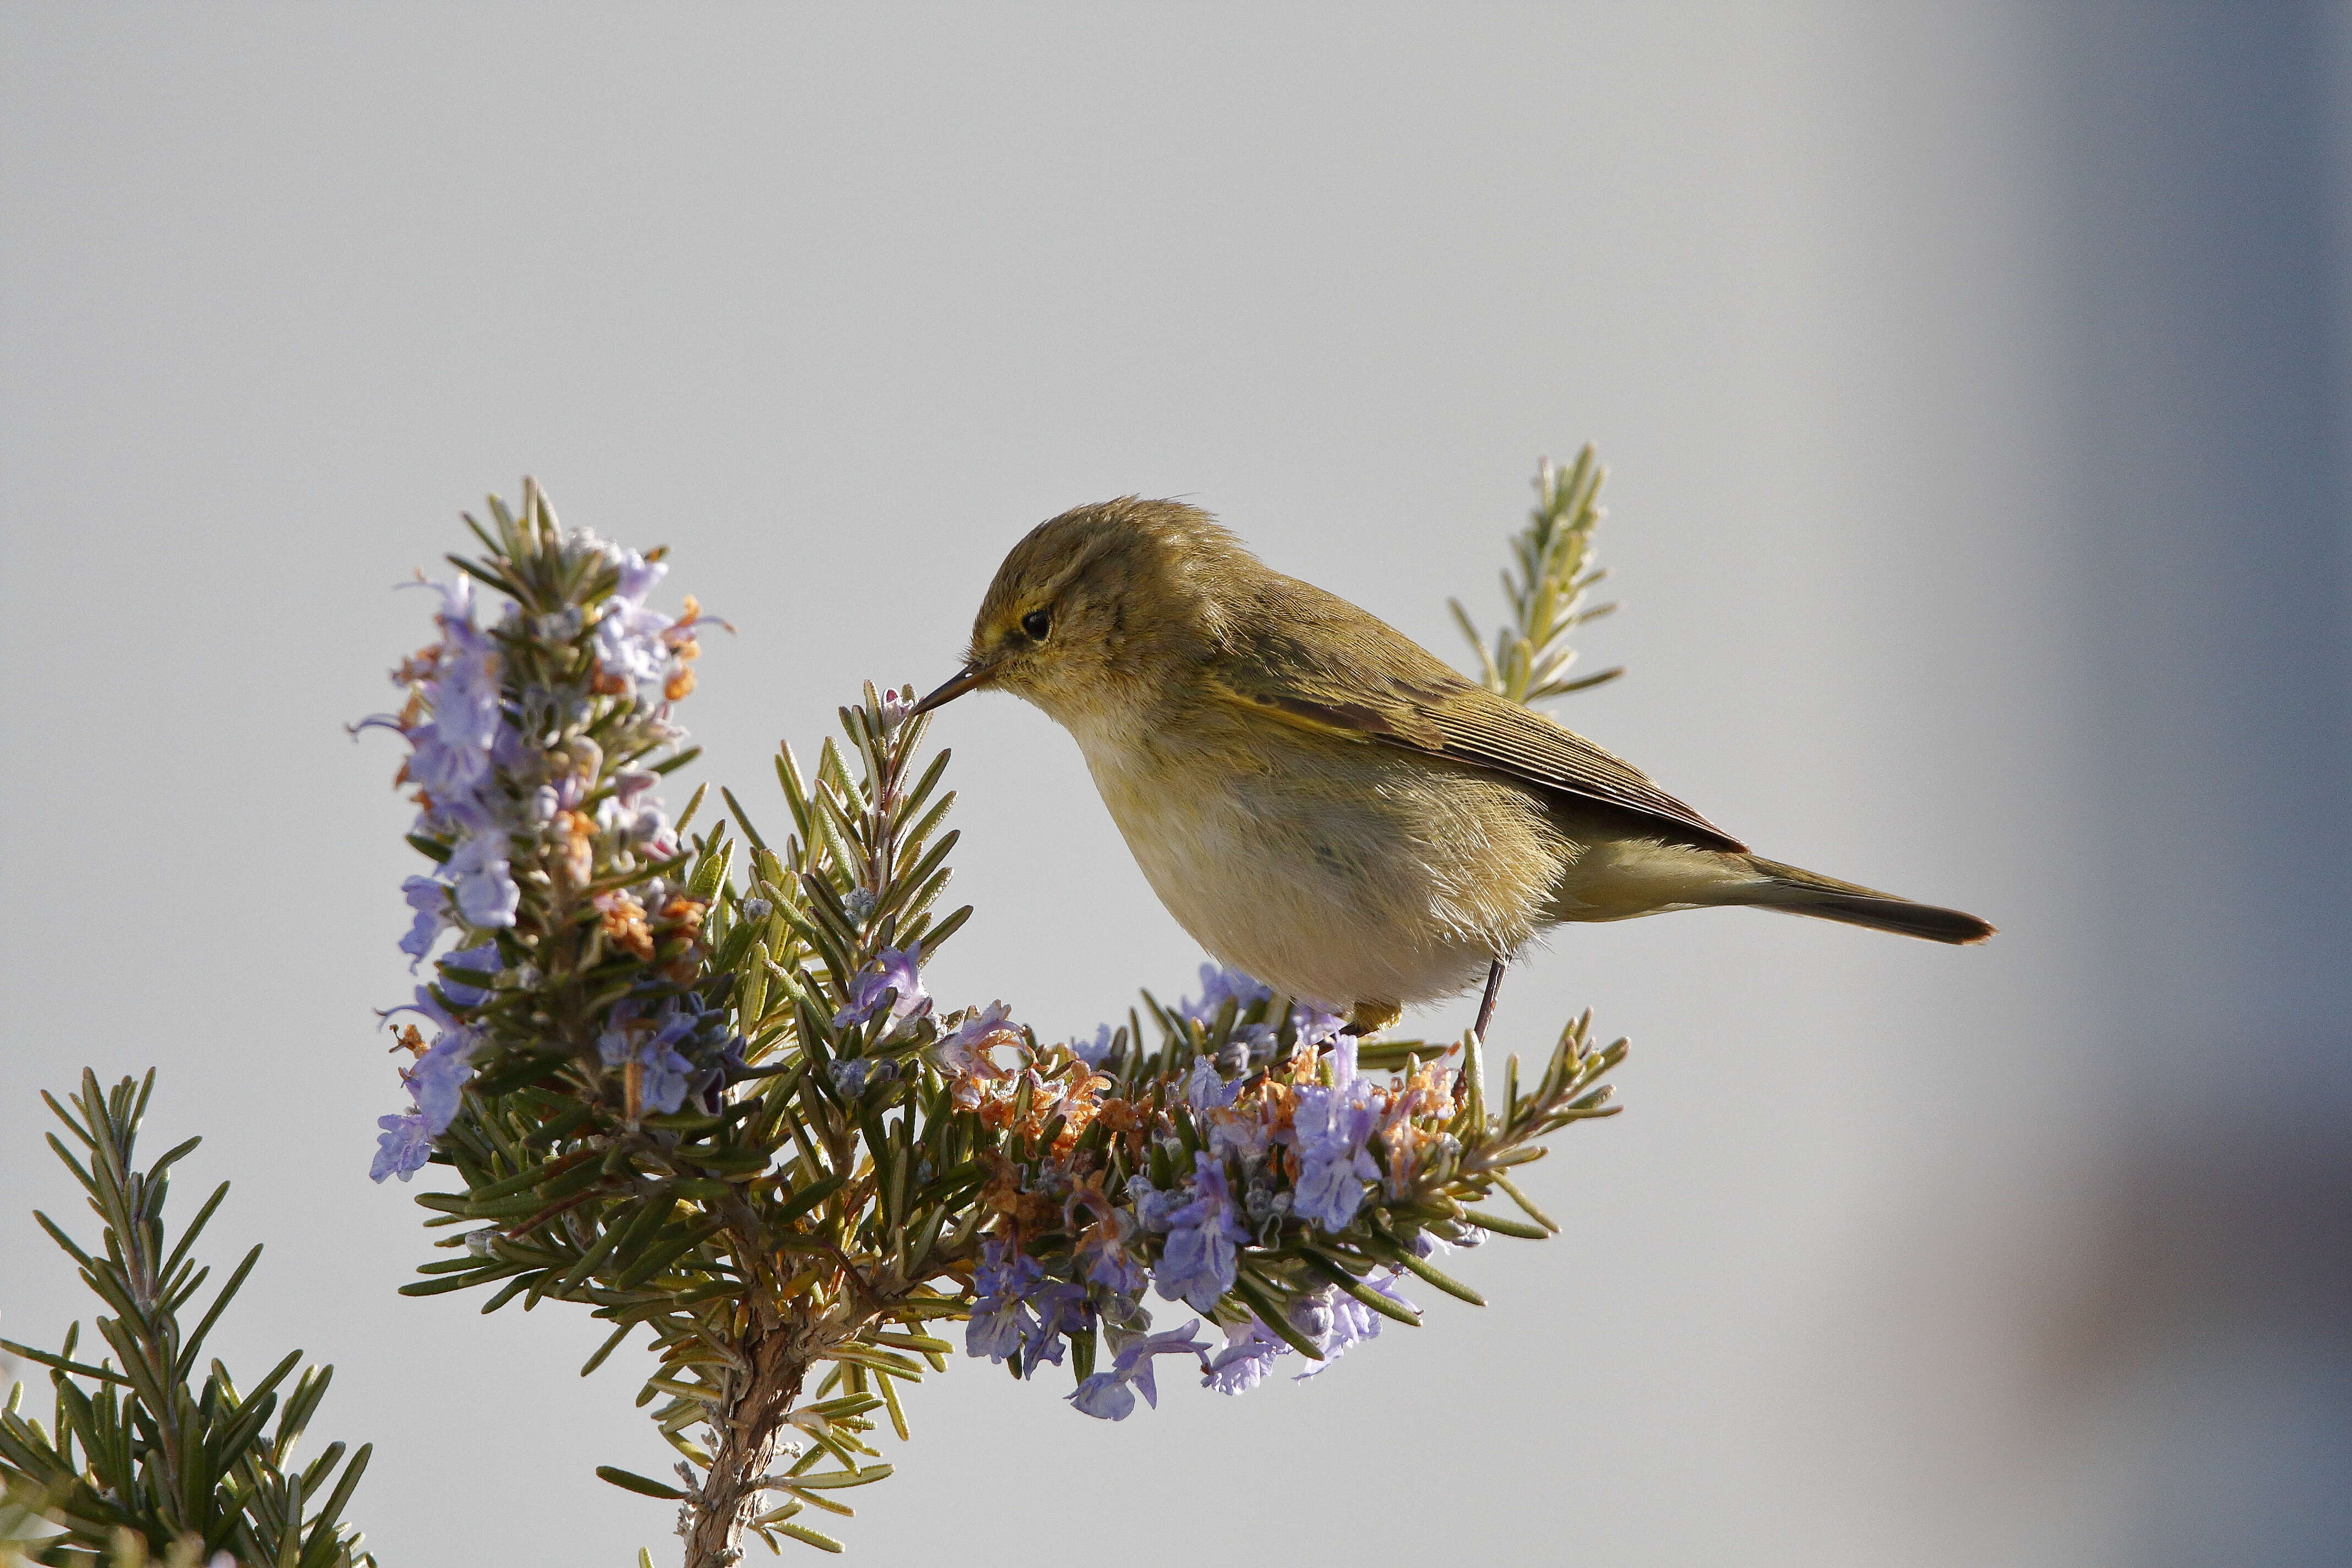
(972, 675)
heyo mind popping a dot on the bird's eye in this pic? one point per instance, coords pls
(1038, 623)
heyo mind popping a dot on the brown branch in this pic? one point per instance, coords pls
(745, 1428)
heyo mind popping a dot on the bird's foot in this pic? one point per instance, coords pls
(1367, 1018)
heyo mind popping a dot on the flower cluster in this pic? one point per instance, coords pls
(535, 743)
(1331, 1320)
(1252, 1133)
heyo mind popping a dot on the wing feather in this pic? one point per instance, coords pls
(1318, 660)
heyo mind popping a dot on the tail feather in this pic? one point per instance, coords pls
(1795, 891)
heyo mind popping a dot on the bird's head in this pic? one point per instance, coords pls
(1099, 609)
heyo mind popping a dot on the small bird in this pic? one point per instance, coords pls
(1325, 804)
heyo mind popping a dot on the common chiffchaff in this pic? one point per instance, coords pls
(1322, 803)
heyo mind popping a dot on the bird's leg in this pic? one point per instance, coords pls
(1371, 1017)
(1486, 1002)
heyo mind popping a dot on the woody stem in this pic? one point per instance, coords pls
(716, 1514)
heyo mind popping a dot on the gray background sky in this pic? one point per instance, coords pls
(1971, 380)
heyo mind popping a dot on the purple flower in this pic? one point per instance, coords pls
(1061, 1308)
(479, 871)
(1110, 1265)
(467, 711)
(962, 1051)
(402, 1148)
(1340, 1323)
(438, 1079)
(1205, 1090)
(629, 636)
(1249, 1356)
(1110, 1396)
(667, 1076)
(998, 1318)
(1251, 1044)
(664, 1074)
(1219, 987)
(1329, 1129)
(618, 1041)
(451, 755)
(430, 900)
(1151, 1206)
(638, 575)
(1198, 1265)
(1105, 1397)
(637, 813)
(894, 969)
(1243, 1135)
(482, 959)
(1331, 1320)
(1102, 1254)
(429, 1006)
(449, 774)
(1021, 1309)
(1094, 1054)
(1343, 1060)
(1316, 1026)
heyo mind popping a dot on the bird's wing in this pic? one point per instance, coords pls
(1336, 668)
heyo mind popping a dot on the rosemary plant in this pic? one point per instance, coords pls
(694, 1082)
(1531, 660)
(138, 1456)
